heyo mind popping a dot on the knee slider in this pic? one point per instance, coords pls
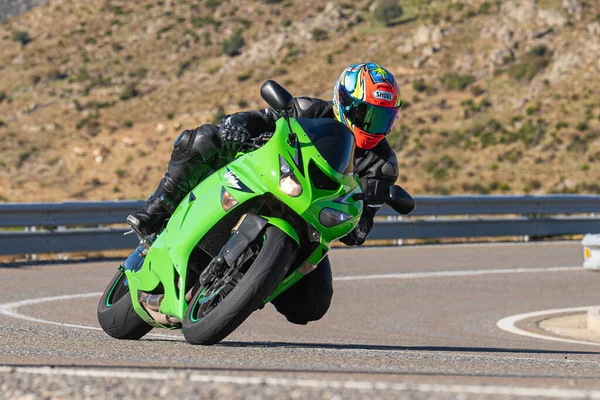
(207, 141)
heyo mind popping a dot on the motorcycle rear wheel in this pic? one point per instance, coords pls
(116, 314)
(267, 270)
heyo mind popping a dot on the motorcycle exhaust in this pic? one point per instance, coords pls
(151, 303)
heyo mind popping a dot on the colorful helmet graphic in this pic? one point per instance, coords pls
(366, 98)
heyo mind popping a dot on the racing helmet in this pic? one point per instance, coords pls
(366, 98)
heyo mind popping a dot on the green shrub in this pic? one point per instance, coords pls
(440, 168)
(53, 161)
(319, 34)
(23, 156)
(487, 132)
(212, 3)
(387, 11)
(475, 187)
(2, 96)
(218, 115)
(477, 91)
(203, 20)
(183, 66)
(244, 77)
(526, 70)
(582, 126)
(214, 69)
(454, 81)
(530, 134)
(533, 108)
(420, 86)
(484, 8)
(22, 37)
(128, 92)
(232, 45)
(537, 59)
(538, 51)
(513, 156)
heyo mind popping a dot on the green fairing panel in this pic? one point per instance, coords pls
(248, 176)
(314, 259)
(284, 226)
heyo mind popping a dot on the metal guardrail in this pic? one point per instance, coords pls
(528, 215)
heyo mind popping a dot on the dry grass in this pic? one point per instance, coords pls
(72, 129)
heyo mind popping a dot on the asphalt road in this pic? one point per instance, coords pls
(410, 322)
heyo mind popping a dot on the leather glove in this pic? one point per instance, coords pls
(233, 130)
(359, 234)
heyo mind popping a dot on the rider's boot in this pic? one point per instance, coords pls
(159, 206)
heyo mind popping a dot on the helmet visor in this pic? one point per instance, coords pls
(370, 118)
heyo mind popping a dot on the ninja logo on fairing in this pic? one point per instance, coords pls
(232, 179)
(380, 94)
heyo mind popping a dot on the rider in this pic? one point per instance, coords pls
(366, 98)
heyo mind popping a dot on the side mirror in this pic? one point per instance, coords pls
(276, 96)
(400, 200)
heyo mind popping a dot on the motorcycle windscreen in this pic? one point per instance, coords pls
(333, 140)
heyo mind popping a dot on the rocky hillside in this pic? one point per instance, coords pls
(501, 96)
(12, 8)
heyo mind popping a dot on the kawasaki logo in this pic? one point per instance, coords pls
(232, 179)
(380, 94)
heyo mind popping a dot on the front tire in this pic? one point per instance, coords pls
(116, 314)
(263, 276)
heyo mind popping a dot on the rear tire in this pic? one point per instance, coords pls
(116, 314)
(263, 276)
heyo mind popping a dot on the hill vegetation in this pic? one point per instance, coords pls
(500, 96)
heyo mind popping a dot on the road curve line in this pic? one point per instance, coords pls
(508, 324)
(561, 393)
(10, 310)
(448, 274)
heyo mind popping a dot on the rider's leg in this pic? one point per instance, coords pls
(195, 154)
(309, 299)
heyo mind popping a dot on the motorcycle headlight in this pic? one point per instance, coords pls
(287, 180)
(227, 200)
(329, 217)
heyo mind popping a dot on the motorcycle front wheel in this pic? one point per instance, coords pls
(208, 323)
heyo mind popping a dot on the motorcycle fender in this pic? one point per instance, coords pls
(246, 231)
(285, 226)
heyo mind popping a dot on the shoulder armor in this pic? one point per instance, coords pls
(303, 103)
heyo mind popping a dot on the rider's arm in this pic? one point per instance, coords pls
(378, 164)
(259, 121)
(254, 122)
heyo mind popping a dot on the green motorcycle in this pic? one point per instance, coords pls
(245, 234)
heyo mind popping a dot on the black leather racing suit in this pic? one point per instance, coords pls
(198, 152)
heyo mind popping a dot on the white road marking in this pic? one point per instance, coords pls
(508, 324)
(10, 309)
(311, 383)
(446, 274)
